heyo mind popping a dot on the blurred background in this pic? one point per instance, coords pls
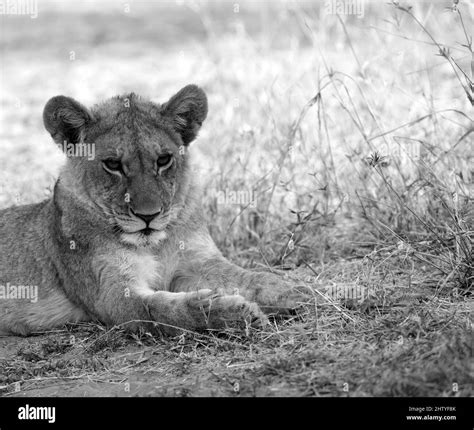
(338, 124)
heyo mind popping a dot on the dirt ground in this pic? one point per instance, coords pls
(389, 344)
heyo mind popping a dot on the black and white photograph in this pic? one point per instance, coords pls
(203, 198)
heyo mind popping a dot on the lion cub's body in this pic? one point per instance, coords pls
(125, 245)
(25, 262)
(69, 267)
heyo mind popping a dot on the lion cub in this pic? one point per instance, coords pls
(123, 239)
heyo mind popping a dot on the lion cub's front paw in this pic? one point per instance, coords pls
(215, 311)
(292, 298)
(234, 311)
(203, 309)
(281, 297)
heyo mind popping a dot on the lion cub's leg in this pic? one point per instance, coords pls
(134, 293)
(202, 309)
(271, 292)
(192, 310)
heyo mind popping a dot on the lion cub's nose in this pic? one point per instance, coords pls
(145, 217)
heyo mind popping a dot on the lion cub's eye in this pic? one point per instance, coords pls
(112, 165)
(164, 160)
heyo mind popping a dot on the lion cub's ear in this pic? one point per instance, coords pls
(65, 119)
(187, 110)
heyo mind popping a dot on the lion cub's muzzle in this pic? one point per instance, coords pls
(143, 222)
(148, 218)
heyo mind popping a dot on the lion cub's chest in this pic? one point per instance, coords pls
(143, 270)
(140, 270)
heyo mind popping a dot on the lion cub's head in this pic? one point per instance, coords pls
(127, 157)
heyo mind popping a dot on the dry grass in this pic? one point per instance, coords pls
(354, 135)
